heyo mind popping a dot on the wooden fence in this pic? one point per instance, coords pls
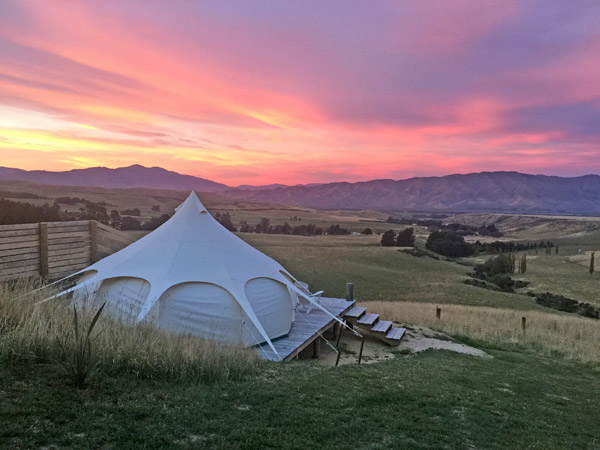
(53, 250)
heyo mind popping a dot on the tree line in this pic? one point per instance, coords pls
(12, 212)
(19, 212)
(264, 226)
(459, 228)
(453, 245)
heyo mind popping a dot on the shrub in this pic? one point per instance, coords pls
(502, 264)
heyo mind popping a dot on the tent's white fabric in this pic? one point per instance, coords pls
(192, 275)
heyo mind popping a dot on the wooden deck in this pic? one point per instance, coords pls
(306, 327)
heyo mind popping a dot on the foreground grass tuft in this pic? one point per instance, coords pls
(36, 333)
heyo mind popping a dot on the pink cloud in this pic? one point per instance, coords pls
(303, 93)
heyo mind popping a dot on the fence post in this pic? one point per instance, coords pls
(438, 312)
(524, 324)
(349, 292)
(44, 250)
(93, 241)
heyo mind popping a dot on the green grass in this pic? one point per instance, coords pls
(556, 274)
(378, 273)
(434, 400)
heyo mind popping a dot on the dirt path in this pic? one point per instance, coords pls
(416, 339)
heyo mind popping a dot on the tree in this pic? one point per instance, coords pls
(129, 223)
(286, 228)
(244, 227)
(155, 222)
(366, 231)
(449, 244)
(225, 220)
(264, 226)
(523, 264)
(592, 264)
(387, 240)
(115, 219)
(406, 238)
(131, 212)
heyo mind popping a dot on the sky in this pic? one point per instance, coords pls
(310, 91)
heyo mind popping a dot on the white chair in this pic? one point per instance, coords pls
(316, 297)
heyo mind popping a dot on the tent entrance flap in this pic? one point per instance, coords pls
(271, 302)
(124, 297)
(200, 309)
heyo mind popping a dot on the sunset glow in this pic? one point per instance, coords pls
(301, 92)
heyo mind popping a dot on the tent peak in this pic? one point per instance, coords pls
(192, 202)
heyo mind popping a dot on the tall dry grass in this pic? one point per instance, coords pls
(566, 336)
(30, 332)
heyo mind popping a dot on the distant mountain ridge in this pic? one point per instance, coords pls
(509, 192)
(501, 192)
(135, 176)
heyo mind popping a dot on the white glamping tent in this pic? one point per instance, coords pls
(191, 275)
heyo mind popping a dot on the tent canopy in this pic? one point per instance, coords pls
(192, 275)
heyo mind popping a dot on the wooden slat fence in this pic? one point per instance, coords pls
(53, 250)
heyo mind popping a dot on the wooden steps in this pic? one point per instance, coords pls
(368, 319)
(382, 326)
(394, 336)
(371, 324)
(355, 312)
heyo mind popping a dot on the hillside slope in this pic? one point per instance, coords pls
(478, 192)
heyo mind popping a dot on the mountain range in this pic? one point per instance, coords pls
(502, 192)
(135, 176)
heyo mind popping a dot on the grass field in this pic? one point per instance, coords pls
(434, 400)
(539, 390)
(565, 336)
(379, 273)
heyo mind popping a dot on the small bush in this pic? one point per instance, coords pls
(77, 358)
(502, 264)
